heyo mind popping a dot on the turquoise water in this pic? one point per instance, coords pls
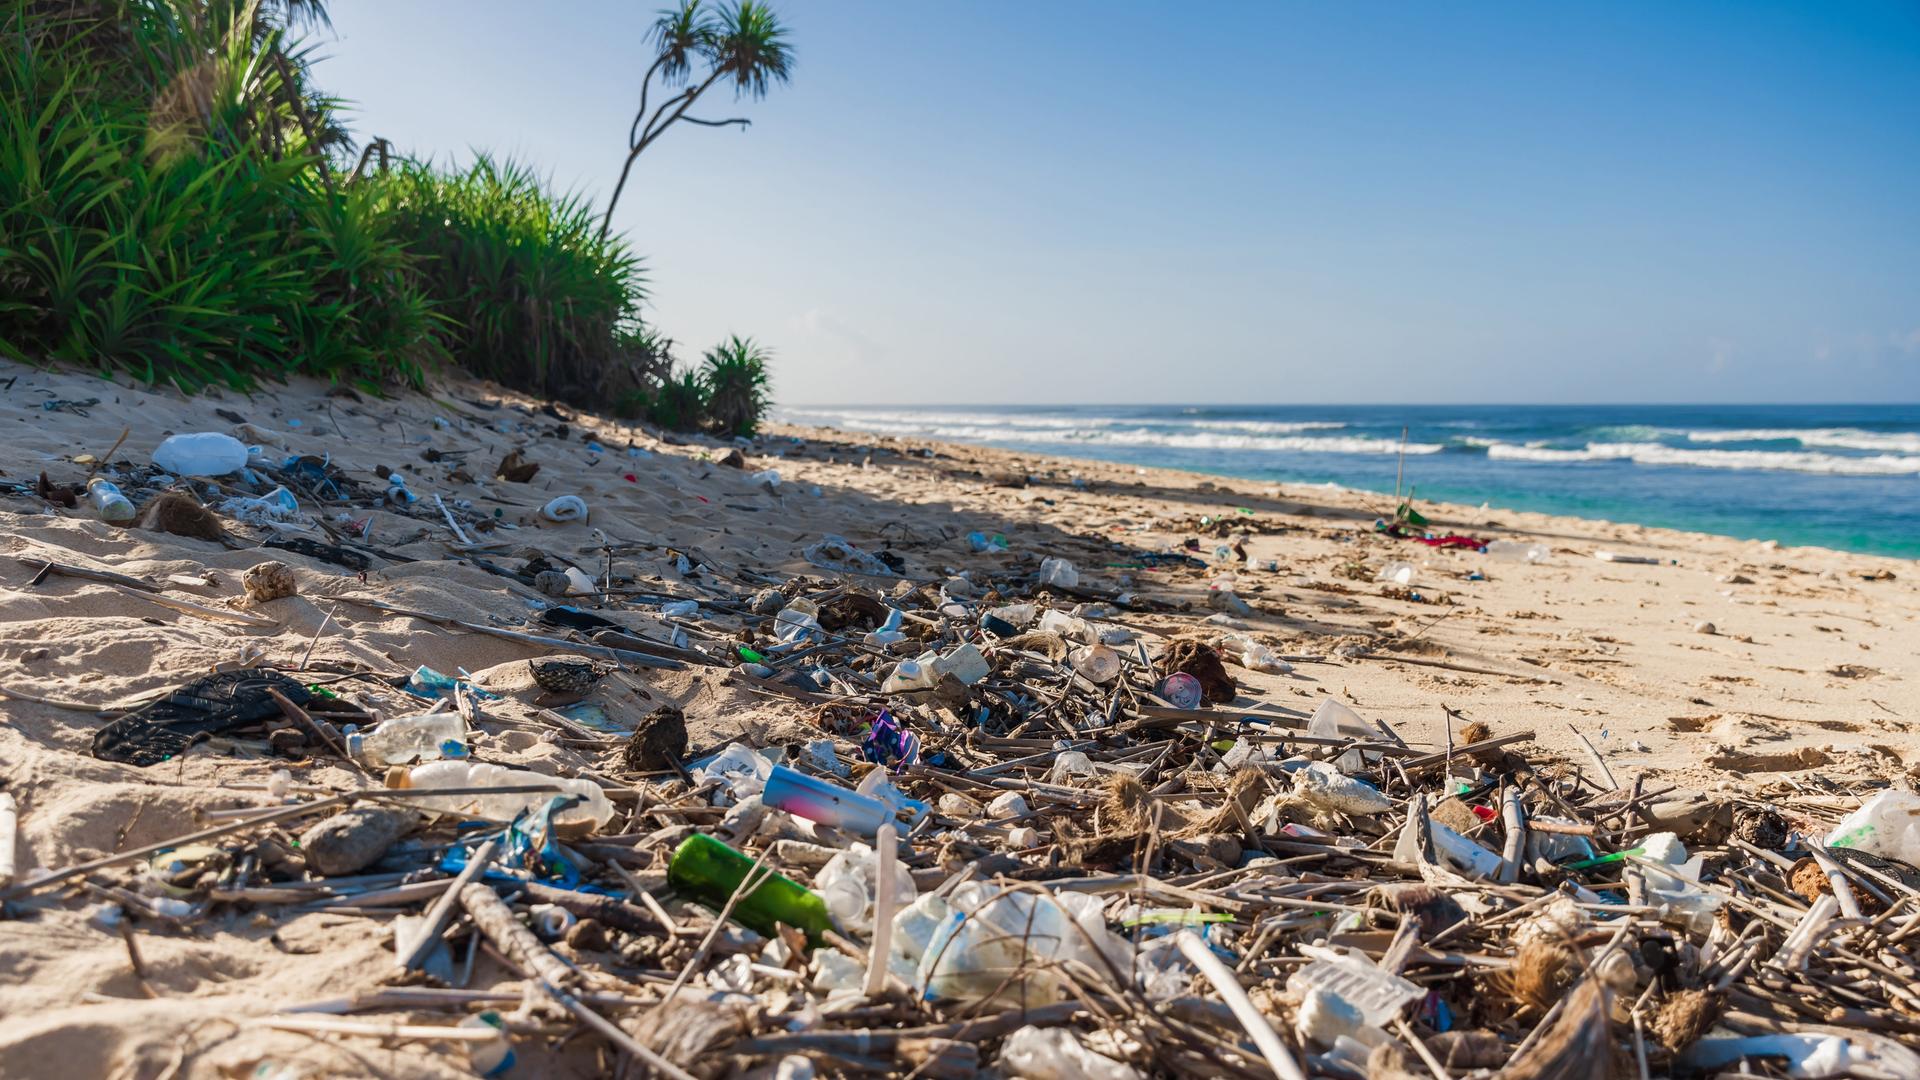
(1840, 476)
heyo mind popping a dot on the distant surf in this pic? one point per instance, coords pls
(1841, 476)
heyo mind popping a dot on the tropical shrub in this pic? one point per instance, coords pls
(737, 387)
(165, 214)
(532, 295)
(175, 203)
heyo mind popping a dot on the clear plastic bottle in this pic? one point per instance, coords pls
(114, 507)
(592, 812)
(406, 739)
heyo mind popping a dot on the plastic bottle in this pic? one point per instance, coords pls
(1036, 1053)
(592, 812)
(106, 498)
(204, 453)
(1015, 614)
(1397, 573)
(915, 674)
(798, 621)
(410, 738)
(490, 1057)
(709, 872)
(1254, 656)
(1516, 551)
(1096, 663)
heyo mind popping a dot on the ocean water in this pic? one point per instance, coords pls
(1840, 476)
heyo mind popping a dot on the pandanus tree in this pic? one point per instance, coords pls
(741, 44)
(735, 375)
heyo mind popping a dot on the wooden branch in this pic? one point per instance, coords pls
(412, 954)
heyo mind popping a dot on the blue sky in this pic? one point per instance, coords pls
(991, 202)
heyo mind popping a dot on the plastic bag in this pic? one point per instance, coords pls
(1887, 824)
(276, 505)
(1330, 789)
(996, 945)
(1332, 720)
(741, 770)
(201, 453)
(1059, 572)
(1035, 1053)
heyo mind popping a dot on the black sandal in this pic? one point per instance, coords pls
(211, 706)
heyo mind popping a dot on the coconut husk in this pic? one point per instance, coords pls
(1244, 791)
(1542, 972)
(1579, 1045)
(1053, 645)
(1198, 659)
(1126, 807)
(852, 609)
(1760, 827)
(659, 742)
(515, 468)
(180, 514)
(1685, 1016)
(1433, 909)
(1808, 880)
(1469, 1049)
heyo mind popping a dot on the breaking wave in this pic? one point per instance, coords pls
(1899, 442)
(1646, 453)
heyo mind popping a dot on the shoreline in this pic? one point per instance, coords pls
(1839, 479)
(1456, 511)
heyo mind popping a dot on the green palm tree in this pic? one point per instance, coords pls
(738, 389)
(742, 43)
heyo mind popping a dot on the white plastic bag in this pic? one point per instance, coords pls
(741, 770)
(998, 944)
(1333, 720)
(1887, 824)
(1059, 572)
(1036, 1053)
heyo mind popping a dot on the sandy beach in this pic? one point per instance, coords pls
(1720, 665)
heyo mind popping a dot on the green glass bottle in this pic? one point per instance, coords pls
(709, 871)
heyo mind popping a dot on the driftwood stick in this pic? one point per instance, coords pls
(496, 921)
(625, 656)
(1467, 668)
(45, 566)
(136, 854)
(1598, 761)
(412, 954)
(508, 934)
(607, 910)
(299, 715)
(201, 610)
(74, 706)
